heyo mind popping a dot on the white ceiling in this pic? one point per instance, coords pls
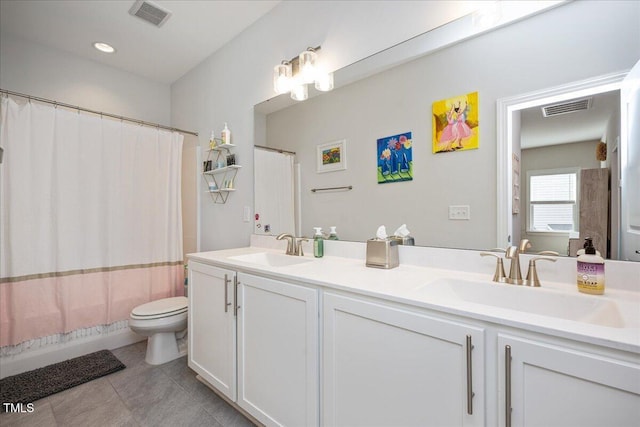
(195, 30)
(579, 126)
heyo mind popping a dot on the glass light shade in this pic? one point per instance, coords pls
(282, 78)
(324, 82)
(307, 66)
(299, 92)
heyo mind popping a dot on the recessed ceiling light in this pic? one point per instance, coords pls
(104, 47)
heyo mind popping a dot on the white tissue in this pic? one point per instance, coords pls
(382, 232)
(402, 231)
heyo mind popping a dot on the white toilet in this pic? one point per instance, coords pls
(163, 321)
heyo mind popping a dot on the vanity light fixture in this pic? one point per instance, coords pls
(104, 47)
(295, 74)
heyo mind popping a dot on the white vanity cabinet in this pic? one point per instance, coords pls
(255, 340)
(278, 368)
(212, 326)
(556, 385)
(387, 366)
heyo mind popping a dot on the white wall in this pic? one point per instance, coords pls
(36, 70)
(566, 44)
(226, 86)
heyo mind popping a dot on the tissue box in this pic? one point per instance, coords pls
(382, 253)
(407, 240)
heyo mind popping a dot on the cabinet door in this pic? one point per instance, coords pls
(555, 386)
(278, 379)
(212, 326)
(384, 366)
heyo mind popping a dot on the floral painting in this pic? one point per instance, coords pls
(455, 123)
(395, 158)
(332, 156)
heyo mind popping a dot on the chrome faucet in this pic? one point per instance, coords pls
(513, 253)
(292, 244)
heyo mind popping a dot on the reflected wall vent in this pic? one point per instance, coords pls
(150, 12)
(567, 107)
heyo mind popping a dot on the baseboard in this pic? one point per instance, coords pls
(29, 360)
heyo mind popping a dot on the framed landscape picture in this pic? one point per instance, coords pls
(332, 156)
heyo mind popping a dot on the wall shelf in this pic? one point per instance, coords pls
(223, 177)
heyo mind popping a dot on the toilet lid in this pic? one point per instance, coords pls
(173, 305)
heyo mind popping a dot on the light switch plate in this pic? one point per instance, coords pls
(246, 215)
(460, 212)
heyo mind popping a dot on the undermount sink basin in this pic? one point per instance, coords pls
(270, 259)
(580, 308)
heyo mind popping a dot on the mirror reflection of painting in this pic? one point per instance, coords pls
(332, 156)
(455, 123)
(395, 158)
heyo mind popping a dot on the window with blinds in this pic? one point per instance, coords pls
(553, 202)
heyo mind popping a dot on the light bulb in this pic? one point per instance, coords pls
(324, 82)
(282, 78)
(299, 92)
(307, 64)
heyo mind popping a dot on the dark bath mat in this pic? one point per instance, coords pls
(42, 382)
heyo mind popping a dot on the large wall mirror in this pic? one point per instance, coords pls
(558, 47)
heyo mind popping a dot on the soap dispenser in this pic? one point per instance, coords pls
(318, 243)
(590, 270)
(333, 235)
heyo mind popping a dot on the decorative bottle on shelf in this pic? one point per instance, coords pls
(318, 243)
(212, 141)
(226, 135)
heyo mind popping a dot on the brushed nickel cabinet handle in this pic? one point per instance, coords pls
(226, 293)
(507, 385)
(235, 295)
(470, 392)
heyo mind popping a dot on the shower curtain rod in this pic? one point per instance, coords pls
(114, 116)
(279, 150)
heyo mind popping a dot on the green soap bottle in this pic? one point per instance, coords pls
(318, 243)
(332, 233)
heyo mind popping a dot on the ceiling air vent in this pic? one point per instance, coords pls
(567, 107)
(150, 12)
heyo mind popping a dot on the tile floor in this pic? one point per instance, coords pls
(140, 395)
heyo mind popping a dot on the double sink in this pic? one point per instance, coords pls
(559, 304)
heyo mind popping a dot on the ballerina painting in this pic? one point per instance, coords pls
(455, 123)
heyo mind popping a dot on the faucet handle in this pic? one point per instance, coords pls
(524, 245)
(299, 250)
(553, 253)
(532, 274)
(499, 275)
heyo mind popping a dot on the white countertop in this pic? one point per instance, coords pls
(409, 284)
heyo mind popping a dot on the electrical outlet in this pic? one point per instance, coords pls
(246, 214)
(460, 212)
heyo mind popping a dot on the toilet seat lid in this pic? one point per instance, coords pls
(172, 305)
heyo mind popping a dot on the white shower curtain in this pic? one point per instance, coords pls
(274, 194)
(90, 219)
